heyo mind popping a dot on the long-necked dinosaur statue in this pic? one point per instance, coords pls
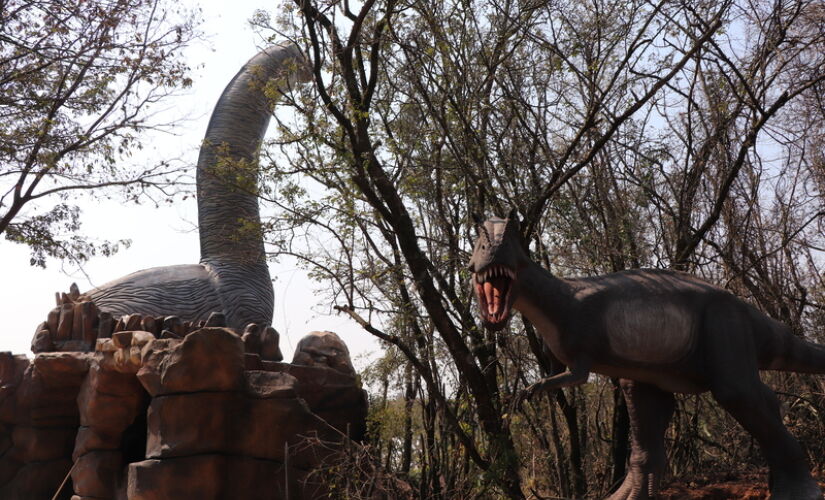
(660, 332)
(232, 276)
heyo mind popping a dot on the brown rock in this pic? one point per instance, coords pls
(323, 349)
(42, 326)
(38, 404)
(42, 342)
(210, 359)
(114, 383)
(252, 338)
(52, 320)
(122, 339)
(252, 361)
(270, 349)
(105, 325)
(44, 396)
(217, 477)
(313, 375)
(90, 318)
(12, 368)
(261, 384)
(5, 439)
(174, 324)
(74, 292)
(234, 424)
(90, 439)
(252, 328)
(104, 346)
(148, 324)
(73, 345)
(38, 480)
(64, 324)
(343, 409)
(132, 322)
(128, 347)
(96, 474)
(109, 401)
(190, 477)
(62, 369)
(169, 334)
(77, 321)
(105, 350)
(120, 325)
(192, 424)
(215, 319)
(332, 395)
(40, 444)
(9, 465)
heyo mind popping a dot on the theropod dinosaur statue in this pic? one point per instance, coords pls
(232, 276)
(659, 332)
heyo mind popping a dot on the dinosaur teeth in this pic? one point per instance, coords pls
(495, 271)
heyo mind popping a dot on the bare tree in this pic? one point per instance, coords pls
(625, 134)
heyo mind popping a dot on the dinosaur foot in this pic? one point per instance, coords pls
(637, 485)
(800, 486)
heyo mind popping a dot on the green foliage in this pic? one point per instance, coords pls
(38, 232)
(79, 79)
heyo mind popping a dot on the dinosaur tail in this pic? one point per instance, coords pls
(227, 172)
(794, 354)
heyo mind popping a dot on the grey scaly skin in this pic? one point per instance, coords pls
(232, 276)
(659, 332)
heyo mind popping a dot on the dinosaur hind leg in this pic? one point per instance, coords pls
(734, 382)
(650, 410)
(756, 408)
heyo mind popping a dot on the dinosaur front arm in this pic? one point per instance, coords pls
(575, 375)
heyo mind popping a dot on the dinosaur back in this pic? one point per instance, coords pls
(186, 291)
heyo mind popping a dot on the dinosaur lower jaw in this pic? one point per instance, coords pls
(495, 298)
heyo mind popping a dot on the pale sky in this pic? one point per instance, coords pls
(167, 235)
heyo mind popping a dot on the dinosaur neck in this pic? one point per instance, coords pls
(543, 298)
(227, 173)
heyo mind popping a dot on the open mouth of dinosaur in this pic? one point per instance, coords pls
(494, 288)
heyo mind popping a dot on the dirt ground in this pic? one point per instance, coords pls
(739, 486)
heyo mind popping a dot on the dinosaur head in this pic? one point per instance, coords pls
(497, 258)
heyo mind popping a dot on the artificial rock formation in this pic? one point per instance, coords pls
(76, 323)
(204, 416)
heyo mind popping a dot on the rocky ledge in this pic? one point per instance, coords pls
(205, 416)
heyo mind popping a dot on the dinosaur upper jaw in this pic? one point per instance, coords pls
(495, 292)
